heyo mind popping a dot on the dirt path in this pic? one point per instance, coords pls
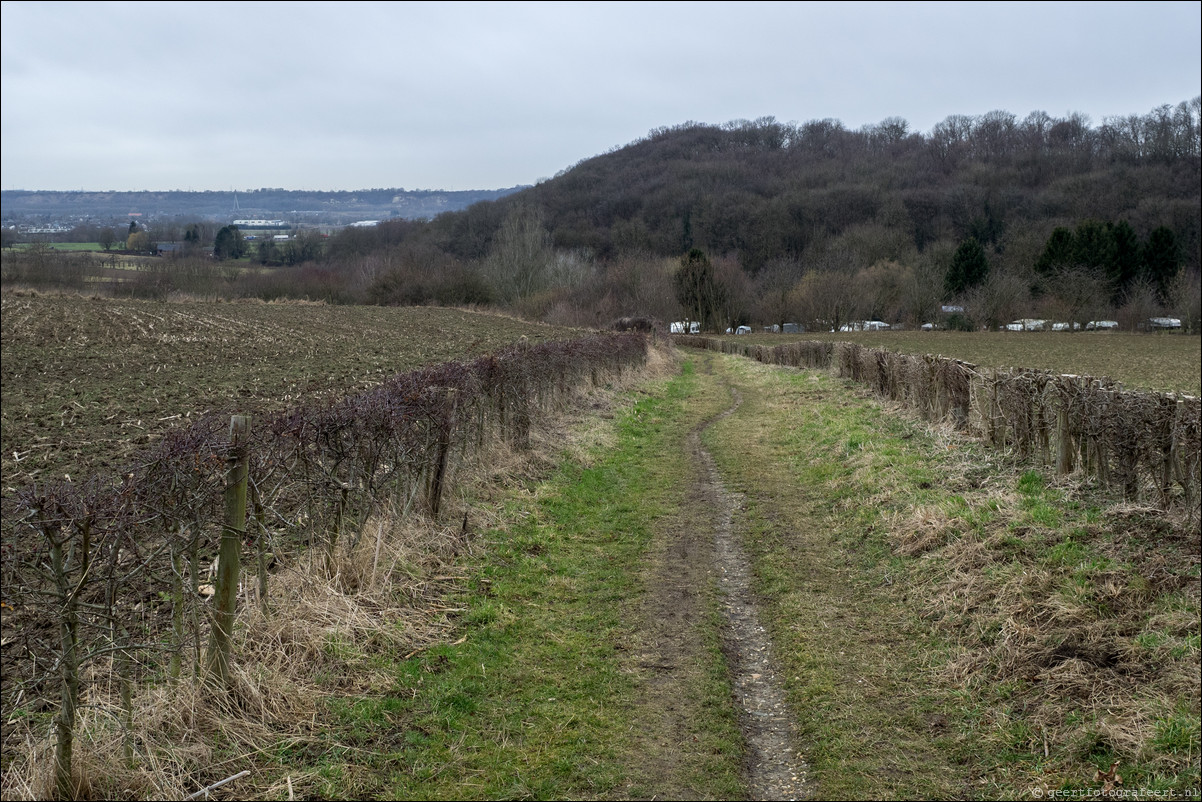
(672, 658)
(700, 616)
(775, 769)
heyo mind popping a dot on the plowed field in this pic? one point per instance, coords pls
(88, 381)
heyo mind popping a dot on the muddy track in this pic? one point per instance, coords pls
(774, 767)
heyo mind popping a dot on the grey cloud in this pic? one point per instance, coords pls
(481, 95)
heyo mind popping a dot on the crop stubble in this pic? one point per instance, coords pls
(86, 382)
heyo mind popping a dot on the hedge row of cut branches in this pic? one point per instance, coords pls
(1144, 444)
(113, 549)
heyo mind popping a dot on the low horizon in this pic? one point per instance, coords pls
(1089, 122)
(267, 189)
(467, 95)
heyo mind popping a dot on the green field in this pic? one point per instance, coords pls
(1162, 362)
(66, 246)
(88, 381)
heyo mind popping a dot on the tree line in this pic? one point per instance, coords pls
(821, 224)
(812, 223)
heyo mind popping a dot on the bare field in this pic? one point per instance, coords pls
(86, 381)
(1162, 362)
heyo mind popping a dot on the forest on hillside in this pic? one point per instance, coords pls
(816, 223)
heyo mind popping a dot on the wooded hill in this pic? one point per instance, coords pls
(816, 222)
(767, 190)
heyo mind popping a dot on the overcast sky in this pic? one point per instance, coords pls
(195, 95)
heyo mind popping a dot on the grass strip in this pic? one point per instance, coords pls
(538, 695)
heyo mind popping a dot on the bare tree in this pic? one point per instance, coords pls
(1185, 300)
(570, 269)
(827, 299)
(521, 260)
(639, 285)
(737, 296)
(1077, 294)
(883, 285)
(774, 291)
(1001, 298)
(922, 292)
(1140, 302)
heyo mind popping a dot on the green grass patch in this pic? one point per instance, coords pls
(952, 627)
(64, 246)
(820, 476)
(538, 695)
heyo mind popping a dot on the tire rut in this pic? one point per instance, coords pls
(774, 767)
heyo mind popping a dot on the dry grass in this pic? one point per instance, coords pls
(334, 629)
(1080, 633)
(321, 638)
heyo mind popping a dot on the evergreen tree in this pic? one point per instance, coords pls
(968, 269)
(1162, 260)
(229, 243)
(1125, 268)
(698, 290)
(1093, 245)
(267, 251)
(1059, 252)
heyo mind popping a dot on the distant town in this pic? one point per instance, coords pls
(56, 214)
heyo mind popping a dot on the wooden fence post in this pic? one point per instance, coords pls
(438, 477)
(1101, 450)
(175, 667)
(1065, 448)
(225, 600)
